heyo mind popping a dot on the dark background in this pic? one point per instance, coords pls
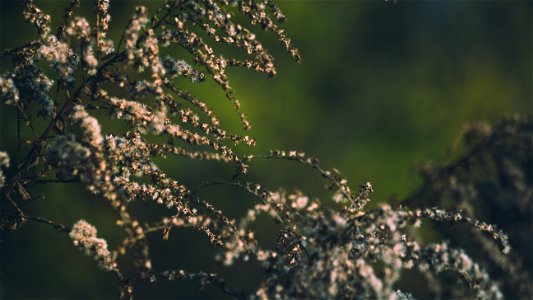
(381, 86)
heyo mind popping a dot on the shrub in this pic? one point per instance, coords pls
(75, 77)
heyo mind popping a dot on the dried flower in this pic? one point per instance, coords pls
(9, 91)
(84, 237)
(320, 253)
(4, 163)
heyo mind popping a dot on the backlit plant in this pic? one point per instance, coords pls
(74, 74)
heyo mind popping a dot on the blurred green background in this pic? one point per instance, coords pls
(381, 86)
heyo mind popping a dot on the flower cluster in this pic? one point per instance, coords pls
(181, 68)
(90, 126)
(61, 58)
(4, 163)
(84, 237)
(37, 17)
(34, 85)
(324, 253)
(70, 158)
(9, 90)
(104, 45)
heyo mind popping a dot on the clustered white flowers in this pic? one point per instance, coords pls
(84, 237)
(72, 159)
(323, 253)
